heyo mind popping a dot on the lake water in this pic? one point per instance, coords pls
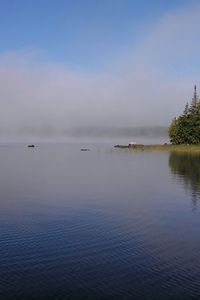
(102, 224)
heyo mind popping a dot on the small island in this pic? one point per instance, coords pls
(184, 131)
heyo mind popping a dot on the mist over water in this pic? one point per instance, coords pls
(106, 223)
(145, 85)
(112, 135)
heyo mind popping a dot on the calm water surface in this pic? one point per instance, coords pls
(103, 224)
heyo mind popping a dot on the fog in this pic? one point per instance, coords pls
(147, 85)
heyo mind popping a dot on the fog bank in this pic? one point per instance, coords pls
(147, 85)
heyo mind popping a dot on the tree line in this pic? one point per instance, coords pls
(185, 129)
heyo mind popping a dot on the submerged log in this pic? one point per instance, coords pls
(121, 146)
(130, 146)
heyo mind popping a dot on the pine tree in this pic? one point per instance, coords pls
(193, 106)
(186, 110)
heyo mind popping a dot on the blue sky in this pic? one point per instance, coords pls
(74, 63)
(81, 33)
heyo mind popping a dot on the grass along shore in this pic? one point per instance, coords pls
(165, 147)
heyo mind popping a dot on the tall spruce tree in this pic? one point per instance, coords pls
(193, 105)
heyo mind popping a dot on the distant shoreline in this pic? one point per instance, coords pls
(158, 147)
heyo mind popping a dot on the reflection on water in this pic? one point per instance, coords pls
(100, 224)
(186, 167)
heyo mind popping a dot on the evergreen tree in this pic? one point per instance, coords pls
(186, 128)
(194, 103)
(186, 110)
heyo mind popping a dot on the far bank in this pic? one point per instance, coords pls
(158, 147)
